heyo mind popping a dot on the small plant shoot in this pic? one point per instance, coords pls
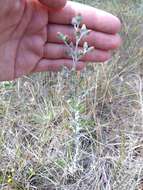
(75, 101)
(80, 32)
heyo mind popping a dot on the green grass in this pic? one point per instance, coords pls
(37, 143)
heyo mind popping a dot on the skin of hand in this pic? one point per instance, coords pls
(28, 35)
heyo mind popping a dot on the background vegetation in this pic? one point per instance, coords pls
(37, 143)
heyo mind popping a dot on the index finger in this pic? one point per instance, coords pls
(54, 4)
(94, 19)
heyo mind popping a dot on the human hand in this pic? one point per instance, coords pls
(29, 43)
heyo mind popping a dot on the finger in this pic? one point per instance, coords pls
(59, 51)
(56, 65)
(99, 40)
(93, 18)
(54, 4)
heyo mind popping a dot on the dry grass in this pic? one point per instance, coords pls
(37, 143)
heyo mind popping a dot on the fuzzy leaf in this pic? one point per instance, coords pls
(63, 37)
(83, 28)
(90, 49)
(77, 20)
(85, 46)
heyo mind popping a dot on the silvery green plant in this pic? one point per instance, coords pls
(73, 49)
(74, 101)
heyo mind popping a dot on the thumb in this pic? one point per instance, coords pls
(54, 4)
